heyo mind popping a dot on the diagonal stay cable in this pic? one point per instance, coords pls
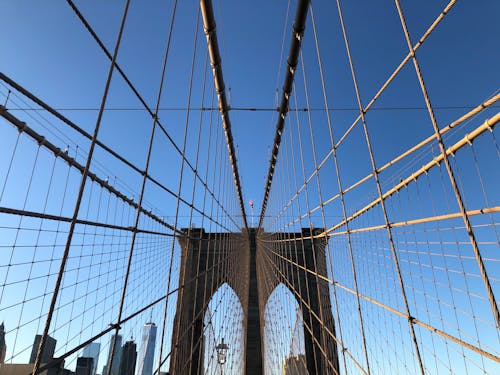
(22, 127)
(215, 60)
(298, 32)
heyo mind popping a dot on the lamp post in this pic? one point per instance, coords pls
(221, 353)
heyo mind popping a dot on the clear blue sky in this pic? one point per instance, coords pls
(45, 48)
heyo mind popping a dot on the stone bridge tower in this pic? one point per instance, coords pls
(205, 251)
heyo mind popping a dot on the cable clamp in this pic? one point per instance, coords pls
(21, 128)
(490, 126)
(115, 325)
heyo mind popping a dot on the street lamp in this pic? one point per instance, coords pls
(221, 353)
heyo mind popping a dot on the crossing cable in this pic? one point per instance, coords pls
(80, 196)
(215, 60)
(258, 109)
(458, 195)
(296, 42)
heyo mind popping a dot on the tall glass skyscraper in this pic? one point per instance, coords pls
(147, 351)
(92, 351)
(115, 366)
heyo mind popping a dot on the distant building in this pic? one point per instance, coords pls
(295, 365)
(115, 366)
(92, 350)
(48, 350)
(147, 352)
(84, 365)
(3, 346)
(128, 358)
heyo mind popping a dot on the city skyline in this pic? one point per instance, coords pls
(125, 358)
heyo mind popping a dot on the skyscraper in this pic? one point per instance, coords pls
(129, 356)
(92, 351)
(295, 365)
(115, 366)
(48, 350)
(3, 347)
(147, 352)
(84, 365)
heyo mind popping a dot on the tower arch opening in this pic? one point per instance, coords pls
(283, 333)
(223, 324)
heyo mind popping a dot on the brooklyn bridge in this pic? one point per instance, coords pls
(228, 187)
